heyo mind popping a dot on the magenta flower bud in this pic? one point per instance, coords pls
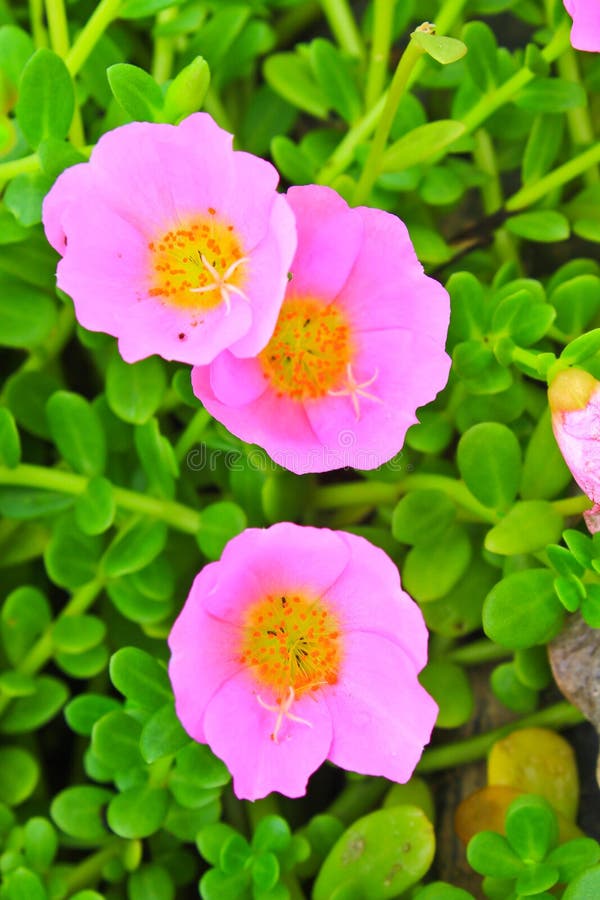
(574, 397)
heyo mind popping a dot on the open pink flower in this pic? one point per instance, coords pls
(585, 34)
(300, 645)
(574, 397)
(172, 241)
(358, 346)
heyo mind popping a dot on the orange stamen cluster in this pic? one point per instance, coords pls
(177, 261)
(291, 643)
(310, 350)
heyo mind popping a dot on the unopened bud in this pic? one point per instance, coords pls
(574, 397)
(186, 92)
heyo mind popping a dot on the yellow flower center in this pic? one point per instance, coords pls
(198, 264)
(310, 350)
(291, 643)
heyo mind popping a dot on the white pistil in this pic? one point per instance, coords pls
(220, 282)
(282, 708)
(355, 389)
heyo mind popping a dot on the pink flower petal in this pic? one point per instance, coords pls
(258, 562)
(395, 615)
(574, 397)
(182, 335)
(196, 674)
(111, 282)
(157, 175)
(235, 382)
(112, 286)
(252, 198)
(387, 287)
(329, 238)
(591, 518)
(238, 731)
(378, 434)
(275, 423)
(585, 34)
(73, 182)
(382, 717)
(267, 278)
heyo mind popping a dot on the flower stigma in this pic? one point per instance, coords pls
(355, 389)
(282, 708)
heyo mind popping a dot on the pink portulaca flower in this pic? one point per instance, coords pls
(300, 645)
(172, 241)
(574, 397)
(358, 346)
(585, 34)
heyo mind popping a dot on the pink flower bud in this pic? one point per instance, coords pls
(574, 397)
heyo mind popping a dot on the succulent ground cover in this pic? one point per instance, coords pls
(299, 469)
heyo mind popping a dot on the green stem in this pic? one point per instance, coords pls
(536, 364)
(59, 40)
(36, 19)
(491, 102)
(164, 49)
(477, 652)
(399, 83)
(561, 715)
(14, 167)
(191, 433)
(491, 192)
(26, 164)
(89, 871)
(378, 493)
(88, 37)
(565, 173)
(580, 123)
(178, 516)
(572, 506)
(343, 155)
(343, 26)
(58, 27)
(43, 649)
(383, 19)
(456, 490)
(358, 798)
(373, 493)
